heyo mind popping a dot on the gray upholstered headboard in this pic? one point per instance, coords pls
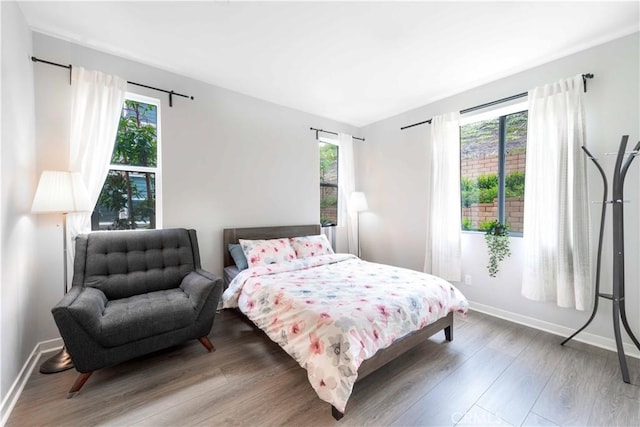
(232, 235)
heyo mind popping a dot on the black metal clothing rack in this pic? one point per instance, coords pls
(617, 297)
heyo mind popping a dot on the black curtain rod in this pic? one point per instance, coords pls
(499, 101)
(333, 133)
(70, 67)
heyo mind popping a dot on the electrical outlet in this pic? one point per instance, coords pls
(467, 279)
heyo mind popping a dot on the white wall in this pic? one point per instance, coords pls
(233, 160)
(392, 171)
(229, 160)
(19, 289)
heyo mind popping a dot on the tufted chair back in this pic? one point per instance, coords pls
(126, 263)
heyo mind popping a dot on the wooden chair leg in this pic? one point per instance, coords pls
(82, 378)
(207, 344)
(337, 415)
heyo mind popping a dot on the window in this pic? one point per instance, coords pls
(492, 168)
(328, 183)
(128, 199)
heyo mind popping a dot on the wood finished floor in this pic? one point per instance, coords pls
(493, 373)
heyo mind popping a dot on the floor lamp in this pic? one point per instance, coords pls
(358, 203)
(60, 192)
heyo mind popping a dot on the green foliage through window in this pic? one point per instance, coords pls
(483, 146)
(484, 189)
(128, 197)
(328, 184)
(514, 184)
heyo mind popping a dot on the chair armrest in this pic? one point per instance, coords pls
(199, 285)
(86, 308)
(68, 298)
(78, 312)
(207, 274)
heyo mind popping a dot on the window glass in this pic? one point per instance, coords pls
(128, 197)
(328, 184)
(136, 141)
(479, 173)
(485, 197)
(516, 147)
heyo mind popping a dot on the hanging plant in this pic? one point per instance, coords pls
(497, 238)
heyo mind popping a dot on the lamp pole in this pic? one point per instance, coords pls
(357, 204)
(359, 250)
(61, 361)
(60, 192)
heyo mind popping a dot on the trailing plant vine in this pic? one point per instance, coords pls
(497, 238)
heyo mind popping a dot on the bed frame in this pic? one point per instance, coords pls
(383, 356)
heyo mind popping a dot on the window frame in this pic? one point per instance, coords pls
(500, 114)
(157, 170)
(325, 140)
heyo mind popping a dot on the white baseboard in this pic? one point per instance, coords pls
(552, 328)
(14, 392)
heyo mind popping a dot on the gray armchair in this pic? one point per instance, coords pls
(134, 292)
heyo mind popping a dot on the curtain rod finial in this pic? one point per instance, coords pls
(584, 79)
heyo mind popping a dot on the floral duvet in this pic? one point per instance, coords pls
(332, 312)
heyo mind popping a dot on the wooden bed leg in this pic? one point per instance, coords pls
(337, 415)
(82, 378)
(207, 344)
(448, 333)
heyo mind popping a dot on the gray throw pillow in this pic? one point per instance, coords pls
(238, 256)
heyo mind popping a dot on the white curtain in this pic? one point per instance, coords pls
(443, 254)
(96, 105)
(556, 210)
(347, 185)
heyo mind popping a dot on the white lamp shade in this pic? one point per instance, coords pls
(60, 191)
(358, 202)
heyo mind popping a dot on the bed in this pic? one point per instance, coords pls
(339, 317)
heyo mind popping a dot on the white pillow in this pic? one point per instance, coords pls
(266, 252)
(311, 246)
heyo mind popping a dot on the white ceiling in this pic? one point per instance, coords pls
(355, 62)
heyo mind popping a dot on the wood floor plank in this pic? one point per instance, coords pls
(164, 399)
(469, 339)
(535, 420)
(617, 403)
(616, 385)
(250, 380)
(513, 395)
(457, 393)
(510, 338)
(405, 381)
(108, 393)
(137, 382)
(292, 397)
(229, 406)
(619, 411)
(481, 417)
(570, 393)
